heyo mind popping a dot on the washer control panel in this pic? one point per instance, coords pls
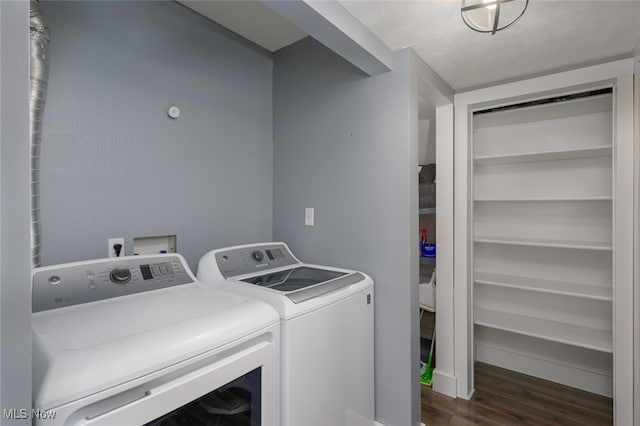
(84, 282)
(248, 259)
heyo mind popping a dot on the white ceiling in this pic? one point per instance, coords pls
(552, 35)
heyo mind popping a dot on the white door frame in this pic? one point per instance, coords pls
(620, 75)
(636, 245)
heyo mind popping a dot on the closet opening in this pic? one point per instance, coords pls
(433, 242)
(542, 226)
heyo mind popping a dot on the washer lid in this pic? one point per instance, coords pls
(306, 282)
(295, 278)
(83, 349)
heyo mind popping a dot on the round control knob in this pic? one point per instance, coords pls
(54, 280)
(120, 276)
(258, 255)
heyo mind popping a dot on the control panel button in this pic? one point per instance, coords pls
(120, 276)
(258, 255)
(85, 282)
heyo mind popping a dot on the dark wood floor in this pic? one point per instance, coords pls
(503, 397)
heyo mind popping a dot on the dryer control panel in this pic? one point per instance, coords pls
(84, 282)
(249, 259)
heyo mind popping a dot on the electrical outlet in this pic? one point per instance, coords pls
(112, 242)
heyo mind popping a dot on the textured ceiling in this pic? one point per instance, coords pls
(552, 35)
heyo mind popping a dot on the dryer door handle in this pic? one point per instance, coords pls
(173, 394)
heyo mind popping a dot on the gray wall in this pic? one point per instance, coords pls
(114, 164)
(15, 275)
(346, 145)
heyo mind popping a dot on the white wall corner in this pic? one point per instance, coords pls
(436, 87)
(445, 380)
(624, 259)
(15, 259)
(463, 321)
(332, 25)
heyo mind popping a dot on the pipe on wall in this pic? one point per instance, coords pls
(39, 75)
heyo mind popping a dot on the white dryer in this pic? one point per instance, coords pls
(326, 313)
(139, 341)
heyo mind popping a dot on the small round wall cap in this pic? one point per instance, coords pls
(174, 112)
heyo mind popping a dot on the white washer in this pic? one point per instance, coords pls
(326, 329)
(138, 340)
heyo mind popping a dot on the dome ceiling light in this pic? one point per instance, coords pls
(491, 16)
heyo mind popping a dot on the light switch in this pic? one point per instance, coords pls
(308, 216)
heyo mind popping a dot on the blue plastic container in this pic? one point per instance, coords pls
(429, 250)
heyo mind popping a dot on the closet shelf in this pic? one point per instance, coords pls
(564, 154)
(570, 334)
(543, 112)
(543, 199)
(427, 210)
(427, 260)
(575, 289)
(530, 242)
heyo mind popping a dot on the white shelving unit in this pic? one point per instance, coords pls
(542, 220)
(541, 199)
(563, 154)
(567, 288)
(579, 245)
(555, 331)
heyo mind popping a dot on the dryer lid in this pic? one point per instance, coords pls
(87, 348)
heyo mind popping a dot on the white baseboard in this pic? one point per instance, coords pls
(589, 381)
(444, 383)
(362, 421)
